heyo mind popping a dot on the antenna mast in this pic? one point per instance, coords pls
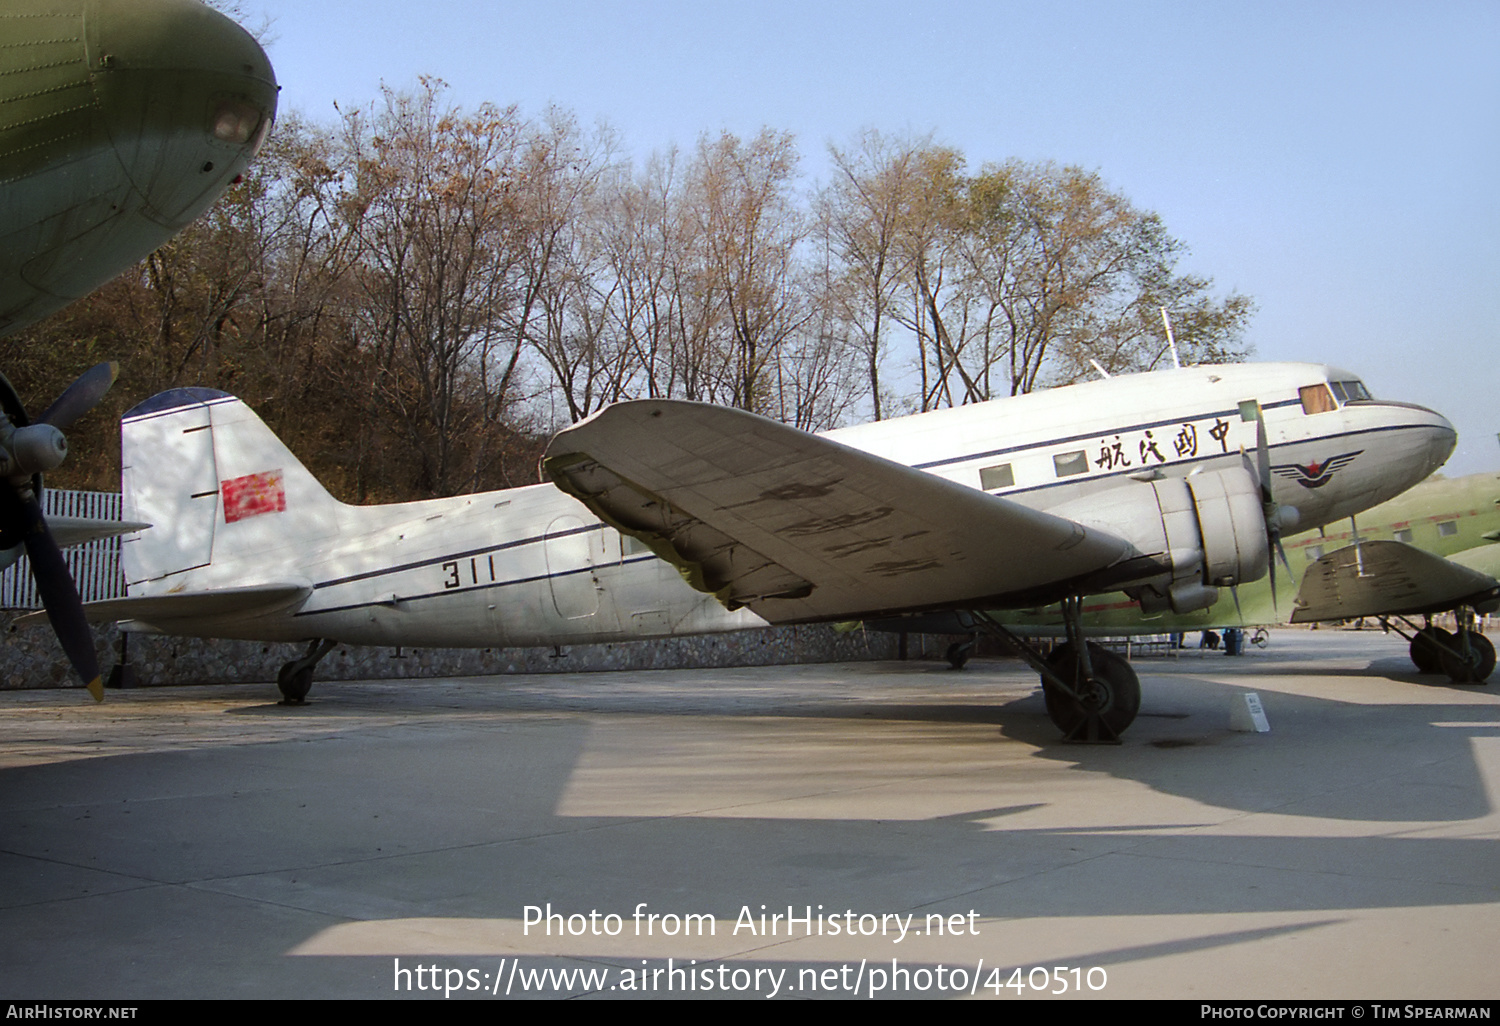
(1172, 342)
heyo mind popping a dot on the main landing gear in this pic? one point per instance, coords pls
(1465, 655)
(296, 676)
(1092, 694)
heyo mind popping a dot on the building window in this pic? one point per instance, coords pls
(991, 478)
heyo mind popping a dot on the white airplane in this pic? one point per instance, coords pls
(682, 518)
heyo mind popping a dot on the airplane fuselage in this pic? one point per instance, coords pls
(1326, 464)
(531, 565)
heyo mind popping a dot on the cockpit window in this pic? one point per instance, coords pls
(1316, 399)
(1350, 391)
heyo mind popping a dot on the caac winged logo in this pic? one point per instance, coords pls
(1315, 475)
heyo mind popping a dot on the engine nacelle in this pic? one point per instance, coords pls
(1192, 535)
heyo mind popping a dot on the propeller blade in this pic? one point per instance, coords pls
(1280, 551)
(1263, 456)
(1273, 513)
(81, 396)
(55, 585)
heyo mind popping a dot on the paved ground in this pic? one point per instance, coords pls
(204, 842)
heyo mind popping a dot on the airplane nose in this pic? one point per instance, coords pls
(1432, 437)
(1443, 439)
(189, 97)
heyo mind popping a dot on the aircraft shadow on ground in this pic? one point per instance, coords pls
(483, 798)
(1180, 744)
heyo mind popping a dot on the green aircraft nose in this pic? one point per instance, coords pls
(121, 121)
(187, 95)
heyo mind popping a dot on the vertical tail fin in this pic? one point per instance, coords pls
(227, 500)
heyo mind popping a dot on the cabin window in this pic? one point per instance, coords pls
(991, 478)
(1447, 529)
(632, 546)
(1404, 535)
(1316, 399)
(1069, 463)
(1250, 411)
(1314, 552)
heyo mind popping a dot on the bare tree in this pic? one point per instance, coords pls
(862, 215)
(750, 228)
(436, 211)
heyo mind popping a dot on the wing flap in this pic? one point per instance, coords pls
(799, 527)
(1379, 578)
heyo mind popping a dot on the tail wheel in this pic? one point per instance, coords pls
(958, 653)
(1470, 663)
(1109, 699)
(295, 682)
(1427, 648)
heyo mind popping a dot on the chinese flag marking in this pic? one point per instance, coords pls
(252, 495)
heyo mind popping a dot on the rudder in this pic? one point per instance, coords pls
(223, 494)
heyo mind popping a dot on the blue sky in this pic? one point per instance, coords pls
(1335, 161)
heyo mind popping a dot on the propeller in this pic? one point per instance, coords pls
(1277, 517)
(27, 450)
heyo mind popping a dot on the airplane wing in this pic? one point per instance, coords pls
(161, 610)
(1482, 558)
(799, 527)
(1378, 578)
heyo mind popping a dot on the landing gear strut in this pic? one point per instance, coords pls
(1092, 694)
(296, 676)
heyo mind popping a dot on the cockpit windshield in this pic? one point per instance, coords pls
(1350, 391)
(1320, 398)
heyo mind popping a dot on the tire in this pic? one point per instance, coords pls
(1114, 693)
(1479, 664)
(294, 683)
(1427, 648)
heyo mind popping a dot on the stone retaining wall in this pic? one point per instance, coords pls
(31, 658)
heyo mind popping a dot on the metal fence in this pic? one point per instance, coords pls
(95, 566)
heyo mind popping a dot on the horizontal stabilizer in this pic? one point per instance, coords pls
(164, 610)
(82, 530)
(800, 527)
(1387, 578)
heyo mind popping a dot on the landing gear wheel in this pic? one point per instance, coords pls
(1107, 702)
(295, 682)
(958, 653)
(1472, 665)
(1427, 648)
